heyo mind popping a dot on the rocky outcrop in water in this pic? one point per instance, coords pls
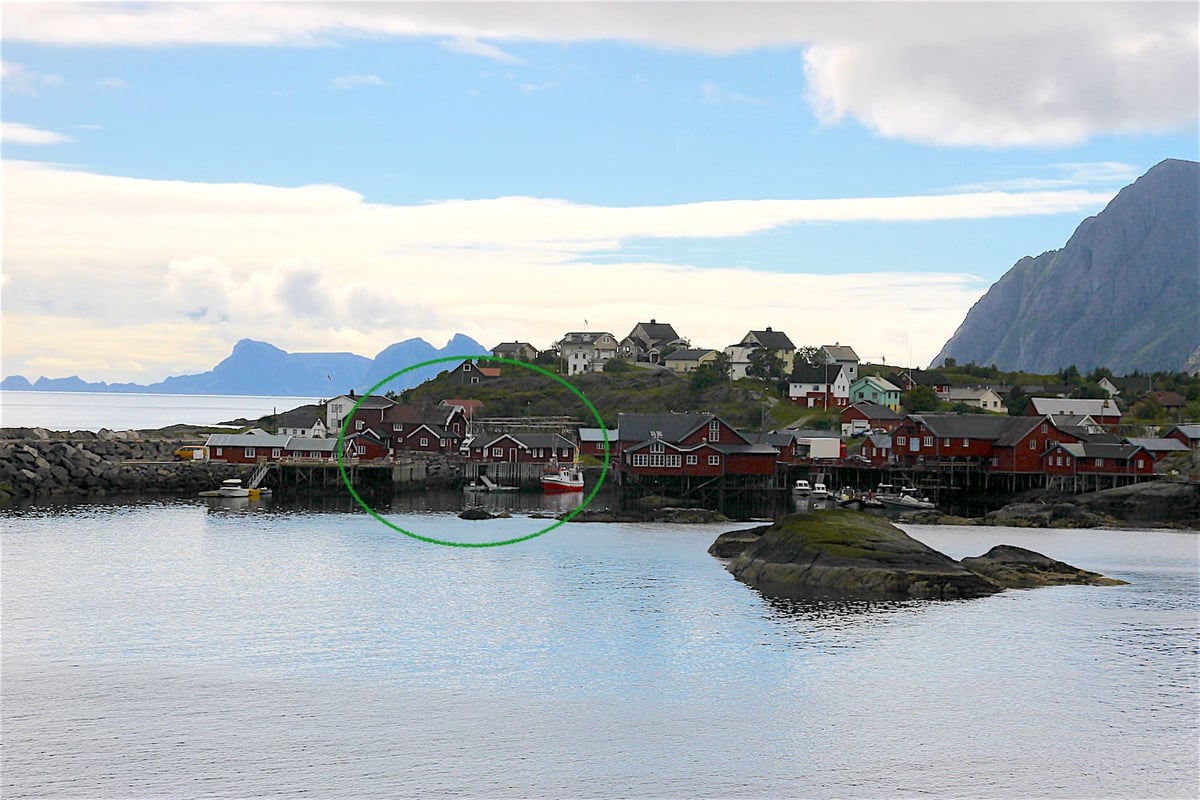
(842, 554)
(1017, 568)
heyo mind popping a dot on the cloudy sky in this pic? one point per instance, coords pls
(342, 176)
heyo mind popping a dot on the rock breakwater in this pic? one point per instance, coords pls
(37, 463)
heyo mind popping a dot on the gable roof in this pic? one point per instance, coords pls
(301, 417)
(368, 401)
(1192, 432)
(875, 410)
(247, 440)
(1097, 450)
(1079, 407)
(977, 426)
(1159, 445)
(879, 381)
(513, 347)
(584, 337)
(770, 339)
(691, 354)
(840, 352)
(806, 373)
(668, 427)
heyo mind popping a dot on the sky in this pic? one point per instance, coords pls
(337, 177)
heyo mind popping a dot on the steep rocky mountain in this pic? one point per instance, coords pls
(1123, 293)
(258, 368)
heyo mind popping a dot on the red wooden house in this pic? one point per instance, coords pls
(523, 448)
(701, 445)
(1105, 412)
(429, 430)
(245, 448)
(877, 449)
(367, 445)
(1188, 434)
(591, 443)
(1088, 458)
(865, 416)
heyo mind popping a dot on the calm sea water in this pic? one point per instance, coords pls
(205, 649)
(91, 411)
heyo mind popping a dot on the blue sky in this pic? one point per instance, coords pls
(334, 177)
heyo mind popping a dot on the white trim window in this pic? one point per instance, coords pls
(693, 460)
(249, 452)
(714, 461)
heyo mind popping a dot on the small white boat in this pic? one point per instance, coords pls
(802, 487)
(904, 499)
(819, 491)
(562, 480)
(232, 487)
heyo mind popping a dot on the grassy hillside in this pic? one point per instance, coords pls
(747, 405)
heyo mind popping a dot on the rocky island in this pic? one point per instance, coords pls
(852, 554)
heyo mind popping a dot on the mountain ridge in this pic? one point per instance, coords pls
(1122, 293)
(259, 368)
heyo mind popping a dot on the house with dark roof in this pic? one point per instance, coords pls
(647, 342)
(1160, 448)
(1087, 458)
(689, 359)
(863, 416)
(689, 445)
(369, 410)
(1188, 434)
(307, 421)
(516, 351)
(775, 341)
(522, 448)
(819, 387)
(471, 372)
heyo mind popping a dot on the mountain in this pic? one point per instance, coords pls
(258, 368)
(1123, 293)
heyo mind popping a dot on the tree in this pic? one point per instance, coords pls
(617, 365)
(1016, 401)
(812, 356)
(1070, 376)
(723, 364)
(920, 398)
(765, 364)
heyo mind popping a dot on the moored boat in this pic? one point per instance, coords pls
(562, 480)
(232, 487)
(802, 487)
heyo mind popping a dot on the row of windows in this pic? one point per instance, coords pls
(670, 460)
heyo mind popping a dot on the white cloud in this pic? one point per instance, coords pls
(22, 80)
(17, 133)
(958, 74)
(355, 81)
(1062, 176)
(112, 83)
(472, 46)
(317, 268)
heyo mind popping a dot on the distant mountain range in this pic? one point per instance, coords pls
(258, 368)
(1123, 293)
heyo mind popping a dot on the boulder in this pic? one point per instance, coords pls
(838, 553)
(1017, 568)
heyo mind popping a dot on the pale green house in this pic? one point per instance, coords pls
(874, 389)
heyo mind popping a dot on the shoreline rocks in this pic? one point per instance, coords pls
(848, 554)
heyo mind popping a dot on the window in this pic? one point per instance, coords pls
(1139, 463)
(657, 447)
(901, 440)
(945, 442)
(219, 451)
(1044, 428)
(1033, 444)
(1099, 462)
(249, 452)
(275, 454)
(966, 442)
(714, 461)
(358, 425)
(673, 460)
(928, 441)
(396, 426)
(693, 459)
(640, 459)
(497, 452)
(714, 431)
(424, 441)
(1068, 461)
(657, 460)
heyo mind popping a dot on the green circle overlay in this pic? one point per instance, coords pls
(459, 359)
